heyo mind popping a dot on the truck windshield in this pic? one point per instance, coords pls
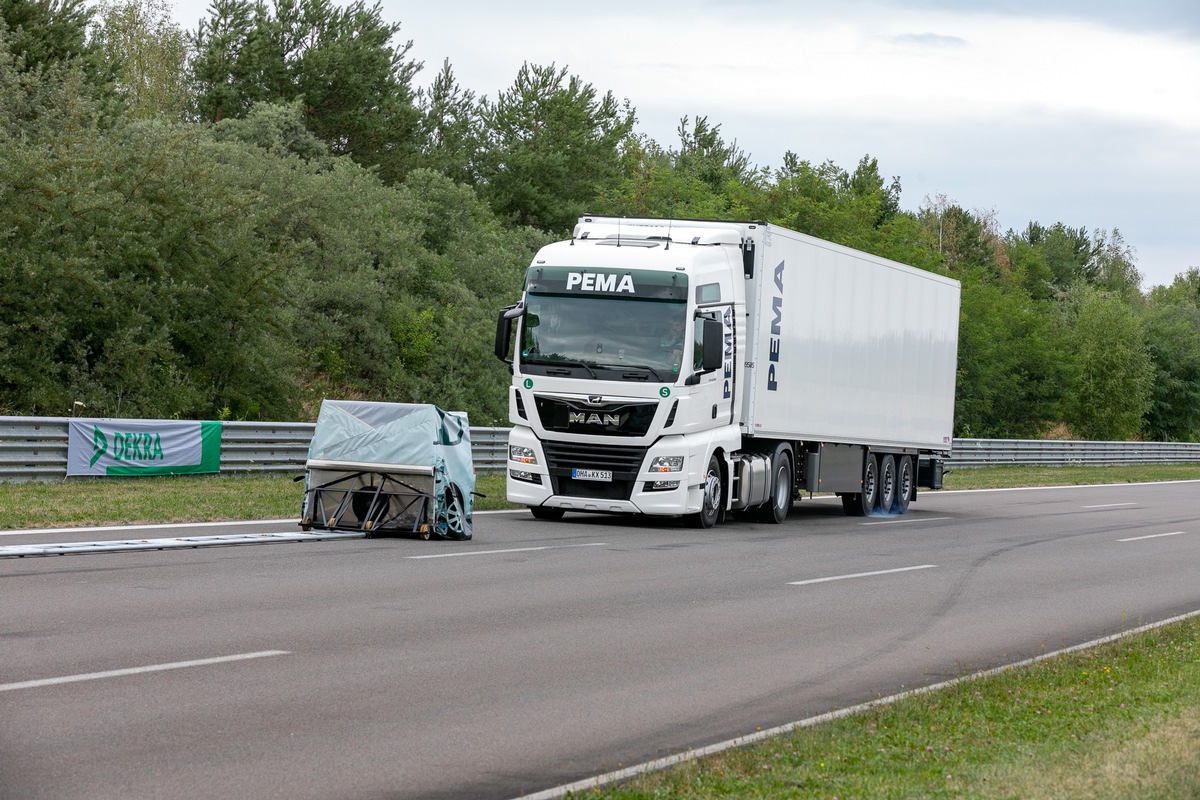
(595, 336)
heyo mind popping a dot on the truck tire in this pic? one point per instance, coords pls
(887, 483)
(710, 511)
(862, 504)
(904, 484)
(780, 503)
(542, 512)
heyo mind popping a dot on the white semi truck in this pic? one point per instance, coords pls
(710, 368)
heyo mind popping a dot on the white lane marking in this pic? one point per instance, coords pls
(1151, 536)
(902, 521)
(861, 575)
(579, 787)
(114, 673)
(510, 550)
(1111, 505)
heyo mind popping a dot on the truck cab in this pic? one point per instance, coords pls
(624, 371)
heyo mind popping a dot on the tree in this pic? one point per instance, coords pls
(1028, 268)
(964, 243)
(132, 278)
(552, 146)
(53, 35)
(1009, 367)
(355, 85)
(826, 201)
(147, 52)
(219, 70)
(1172, 326)
(1111, 379)
(450, 128)
(653, 184)
(49, 32)
(1066, 251)
(705, 155)
(1113, 265)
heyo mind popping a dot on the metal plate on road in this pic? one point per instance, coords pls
(591, 474)
(75, 548)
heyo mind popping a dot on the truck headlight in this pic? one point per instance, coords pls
(524, 455)
(666, 464)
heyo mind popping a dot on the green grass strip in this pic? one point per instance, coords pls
(210, 498)
(1115, 720)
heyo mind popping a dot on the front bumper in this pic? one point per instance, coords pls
(547, 482)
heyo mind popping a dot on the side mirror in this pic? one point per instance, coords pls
(714, 345)
(504, 329)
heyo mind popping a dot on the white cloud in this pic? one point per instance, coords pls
(1040, 116)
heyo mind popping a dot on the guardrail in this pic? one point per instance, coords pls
(35, 448)
(1038, 452)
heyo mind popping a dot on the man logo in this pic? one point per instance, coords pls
(607, 420)
(595, 400)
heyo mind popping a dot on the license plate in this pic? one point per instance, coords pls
(591, 474)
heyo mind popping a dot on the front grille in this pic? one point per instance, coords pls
(601, 419)
(623, 462)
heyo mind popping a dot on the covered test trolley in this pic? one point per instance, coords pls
(389, 468)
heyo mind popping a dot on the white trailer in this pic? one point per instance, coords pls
(803, 366)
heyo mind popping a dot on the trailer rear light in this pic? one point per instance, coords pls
(523, 455)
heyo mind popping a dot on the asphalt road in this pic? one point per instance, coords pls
(541, 652)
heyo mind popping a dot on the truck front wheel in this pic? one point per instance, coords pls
(710, 510)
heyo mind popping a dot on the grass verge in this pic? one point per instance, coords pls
(1009, 477)
(1116, 721)
(190, 498)
(172, 498)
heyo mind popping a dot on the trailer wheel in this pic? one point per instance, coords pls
(887, 483)
(366, 510)
(542, 512)
(711, 508)
(861, 504)
(777, 508)
(454, 521)
(904, 484)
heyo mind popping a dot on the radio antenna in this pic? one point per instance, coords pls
(669, 223)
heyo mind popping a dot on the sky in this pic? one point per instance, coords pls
(1084, 112)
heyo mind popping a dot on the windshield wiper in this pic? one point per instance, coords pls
(645, 367)
(556, 364)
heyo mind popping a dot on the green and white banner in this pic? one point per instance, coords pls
(122, 447)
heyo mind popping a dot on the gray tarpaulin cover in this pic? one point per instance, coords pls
(400, 435)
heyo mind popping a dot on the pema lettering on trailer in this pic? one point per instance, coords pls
(776, 330)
